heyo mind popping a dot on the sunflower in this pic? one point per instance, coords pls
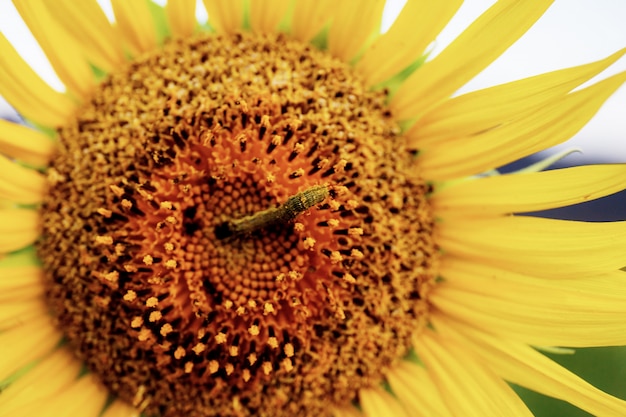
(284, 212)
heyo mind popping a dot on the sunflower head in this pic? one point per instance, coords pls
(245, 226)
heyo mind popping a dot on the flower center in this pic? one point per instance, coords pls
(231, 229)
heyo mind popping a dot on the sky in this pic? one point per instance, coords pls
(572, 32)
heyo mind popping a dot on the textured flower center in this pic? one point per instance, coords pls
(231, 230)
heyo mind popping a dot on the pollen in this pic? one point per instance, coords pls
(355, 231)
(104, 212)
(136, 322)
(355, 253)
(272, 342)
(104, 240)
(144, 334)
(130, 295)
(289, 350)
(220, 338)
(268, 308)
(179, 353)
(218, 243)
(199, 348)
(349, 278)
(294, 274)
(112, 276)
(308, 243)
(252, 359)
(213, 366)
(335, 257)
(287, 364)
(246, 375)
(229, 368)
(166, 329)
(334, 222)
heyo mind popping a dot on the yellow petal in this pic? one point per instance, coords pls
(546, 126)
(60, 48)
(225, 15)
(25, 144)
(20, 293)
(19, 184)
(483, 110)
(416, 391)
(353, 23)
(20, 283)
(181, 16)
(120, 409)
(309, 17)
(18, 228)
(136, 25)
(16, 312)
(377, 402)
(265, 15)
(85, 397)
(524, 366)
(467, 386)
(347, 411)
(28, 93)
(53, 374)
(525, 308)
(516, 193)
(477, 47)
(99, 42)
(416, 27)
(25, 343)
(535, 246)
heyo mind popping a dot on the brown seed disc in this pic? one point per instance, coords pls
(284, 318)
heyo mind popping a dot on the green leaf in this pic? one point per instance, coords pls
(603, 367)
(160, 21)
(22, 257)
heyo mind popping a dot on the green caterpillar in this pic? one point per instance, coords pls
(282, 214)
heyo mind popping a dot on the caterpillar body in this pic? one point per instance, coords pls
(284, 213)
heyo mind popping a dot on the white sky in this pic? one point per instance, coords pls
(572, 32)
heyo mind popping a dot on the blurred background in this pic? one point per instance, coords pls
(572, 32)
